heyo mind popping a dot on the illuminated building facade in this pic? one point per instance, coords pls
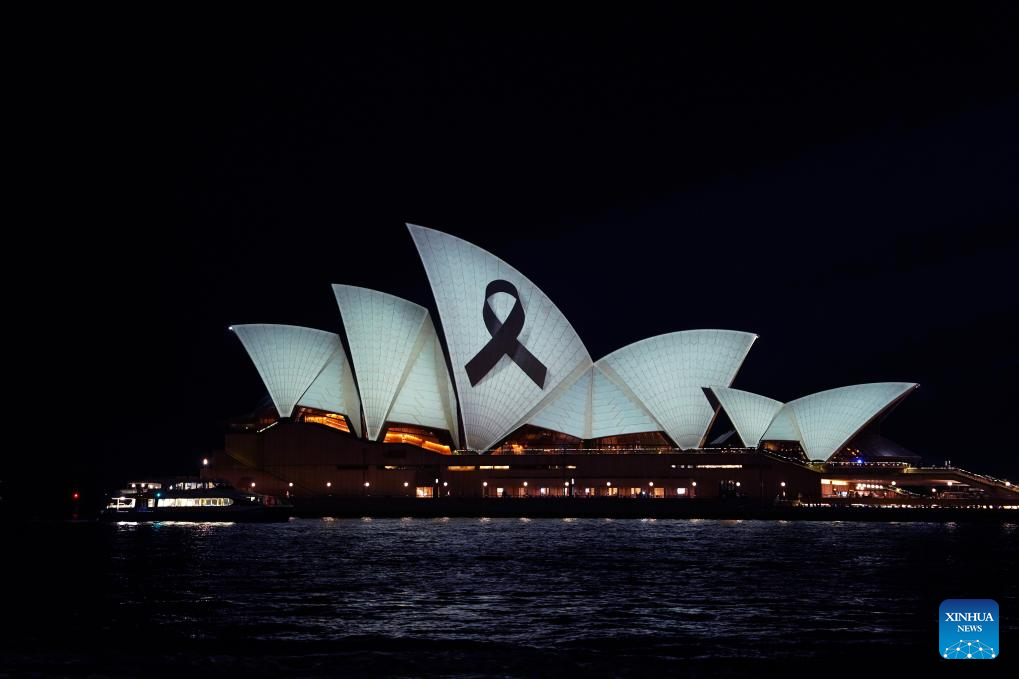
(509, 403)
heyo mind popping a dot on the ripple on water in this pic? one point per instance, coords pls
(667, 589)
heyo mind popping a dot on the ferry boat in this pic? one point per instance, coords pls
(193, 500)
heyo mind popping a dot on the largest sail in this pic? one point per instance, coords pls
(511, 349)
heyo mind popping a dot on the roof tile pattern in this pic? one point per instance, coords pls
(827, 420)
(334, 390)
(426, 396)
(382, 331)
(667, 373)
(506, 396)
(570, 411)
(288, 358)
(751, 414)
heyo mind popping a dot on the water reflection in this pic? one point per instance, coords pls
(572, 587)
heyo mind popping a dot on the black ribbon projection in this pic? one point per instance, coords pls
(504, 340)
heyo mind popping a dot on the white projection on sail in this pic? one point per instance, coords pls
(667, 374)
(510, 347)
(750, 413)
(288, 358)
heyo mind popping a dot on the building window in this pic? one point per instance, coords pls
(416, 436)
(681, 491)
(331, 420)
(423, 491)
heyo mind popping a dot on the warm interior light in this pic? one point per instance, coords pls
(330, 420)
(414, 440)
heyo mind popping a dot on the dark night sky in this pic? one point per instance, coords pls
(842, 184)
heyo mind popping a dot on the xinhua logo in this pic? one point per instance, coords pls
(968, 629)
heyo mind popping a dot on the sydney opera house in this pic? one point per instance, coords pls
(499, 398)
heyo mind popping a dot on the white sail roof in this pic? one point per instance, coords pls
(289, 359)
(570, 411)
(827, 420)
(593, 407)
(783, 427)
(504, 394)
(401, 374)
(667, 374)
(616, 411)
(751, 414)
(334, 390)
(425, 396)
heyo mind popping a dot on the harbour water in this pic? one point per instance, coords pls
(479, 597)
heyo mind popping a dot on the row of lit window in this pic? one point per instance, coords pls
(329, 420)
(869, 486)
(429, 491)
(633, 489)
(193, 485)
(399, 437)
(194, 502)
